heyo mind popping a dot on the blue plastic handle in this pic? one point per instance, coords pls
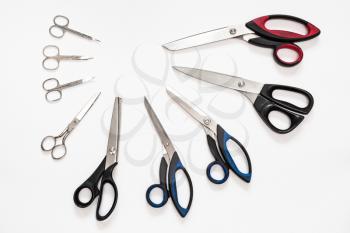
(223, 137)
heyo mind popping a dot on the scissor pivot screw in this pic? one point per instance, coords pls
(241, 83)
(112, 151)
(233, 31)
(207, 121)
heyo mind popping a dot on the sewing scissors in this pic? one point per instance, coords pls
(217, 139)
(53, 57)
(54, 89)
(60, 27)
(104, 171)
(57, 144)
(255, 32)
(260, 95)
(169, 165)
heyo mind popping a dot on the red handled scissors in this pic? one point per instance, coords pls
(255, 32)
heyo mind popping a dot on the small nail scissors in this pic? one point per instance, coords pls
(54, 89)
(56, 144)
(104, 171)
(260, 95)
(169, 165)
(255, 32)
(53, 57)
(60, 27)
(217, 139)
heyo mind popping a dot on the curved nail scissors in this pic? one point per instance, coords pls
(53, 57)
(54, 89)
(260, 95)
(217, 139)
(169, 165)
(52, 143)
(255, 32)
(60, 27)
(104, 171)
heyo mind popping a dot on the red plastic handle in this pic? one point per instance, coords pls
(293, 47)
(258, 26)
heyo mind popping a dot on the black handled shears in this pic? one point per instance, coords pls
(261, 96)
(255, 32)
(169, 165)
(104, 171)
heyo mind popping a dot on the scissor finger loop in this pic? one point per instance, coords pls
(61, 21)
(52, 48)
(50, 84)
(53, 95)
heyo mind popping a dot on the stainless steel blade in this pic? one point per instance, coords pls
(211, 36)
(240, 84)
(87, 107)
(113, 138)
(164, 138)
(193, 110)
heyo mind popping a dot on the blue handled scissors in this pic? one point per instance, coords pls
(169, 165)
(217, 138)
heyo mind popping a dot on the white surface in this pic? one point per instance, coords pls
(300, 181)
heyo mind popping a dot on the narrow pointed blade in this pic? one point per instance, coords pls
(164, 138)
(87, 107)
(113, 138)
(224, 80)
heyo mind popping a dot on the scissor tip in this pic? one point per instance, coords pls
(97, 40)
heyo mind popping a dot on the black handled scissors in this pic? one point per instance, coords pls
(217, 139)
(169, 165)
(261, 96)
(60, 27)
(105, 170)
(255, 32)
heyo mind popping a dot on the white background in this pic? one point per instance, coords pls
(300, 181)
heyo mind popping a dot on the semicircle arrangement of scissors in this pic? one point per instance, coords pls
(255, 32)
(56, 145)
(217, 139)
(170, 164)
(54, 89)
(53, 57)
(104, 171)
(60, 27)
(260, 95)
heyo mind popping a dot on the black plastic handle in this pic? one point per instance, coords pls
(176, 165)
(107, 178)
(264, 107)
(91, 184)
(218, 161)
(223, 137)
(162, 186)
(268, 89)
(276, 46)
(258, 26)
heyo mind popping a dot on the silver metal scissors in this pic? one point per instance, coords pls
(260, 95)
(54, 89)
(60, 27)
(53, 57)
(104, 171)
(217, 139)
(56, 144)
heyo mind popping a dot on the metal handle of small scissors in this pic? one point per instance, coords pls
(58, 150)
(53, 57)
(52, 90)
(162, 186)
(58, 26)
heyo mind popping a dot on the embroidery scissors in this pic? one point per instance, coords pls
(60, 27)
(104, 171)
(54, 89)
(255, 32)
(52, 57)
(169, 165)
(57, 144)
(260, 95)
(217, 139)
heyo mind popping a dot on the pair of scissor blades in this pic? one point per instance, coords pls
(104, 171)
(255, 32)
(217, 139)
(169, 165)
(261, 96)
